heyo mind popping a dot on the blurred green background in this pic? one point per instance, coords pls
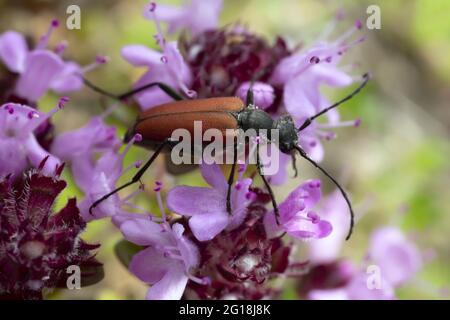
(396, 165)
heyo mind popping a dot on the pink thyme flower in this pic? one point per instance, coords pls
(335, 210)
(99, 178)
(95, 137)
(96, 163)
(169, 260)
(195, 15)
(39, 69)
(398, 257)
(356, 289)
(167, 67)
(166, 262)
(301, 75)
(215, 62)
(19, 147)
(263, 93)
(69, 79)
(207, 206)
(296, 216)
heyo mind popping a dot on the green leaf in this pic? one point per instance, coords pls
(125, 250)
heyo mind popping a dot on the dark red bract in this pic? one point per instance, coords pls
(222, 59)
(36, 246)
(326, 276)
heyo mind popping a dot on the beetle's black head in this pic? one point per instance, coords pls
(288, 134)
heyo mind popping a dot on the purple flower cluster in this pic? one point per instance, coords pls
(391, 260)
(196, 248)
(37, 246)
(48, 66)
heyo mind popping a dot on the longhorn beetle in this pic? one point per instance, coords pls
(157, 124)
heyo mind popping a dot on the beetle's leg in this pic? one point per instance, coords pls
(136, 177)
(266, 183)
(344, 194)
(231, 177)
(164, 87)
(309, 120)
(294, 165)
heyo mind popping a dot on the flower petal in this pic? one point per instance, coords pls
(36, 154)
(173, 15)
(270, 225)
(281, 176)
(263, 93)
(41, 68)
(13, 50)
(143, 232)
(99, 186)
(122, 217)
(179, 69)
(154, 96)
(398, 258)
(330, 294)
(150, 265)
(13, 159)
(83, 170)
(189, 252)
(312, 145)
(95, 136)
(196, 16)
(206, 226)
(334, 210)
(190, 201)
(299, 98)
(332, 76)
(171, 286)
(358, 289)
(304, 197)
(214, 176)
(68, 80)
(139, 55)
(304, 229)
(239, 203)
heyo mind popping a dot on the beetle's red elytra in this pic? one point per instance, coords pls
(158, 123)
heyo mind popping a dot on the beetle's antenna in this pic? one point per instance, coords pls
(164, 87)
(250, 100)
(309, 120)
(99, 90)
(344, 194)
(256, 77)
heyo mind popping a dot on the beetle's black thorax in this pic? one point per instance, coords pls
(257, 119)
(251, 118)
